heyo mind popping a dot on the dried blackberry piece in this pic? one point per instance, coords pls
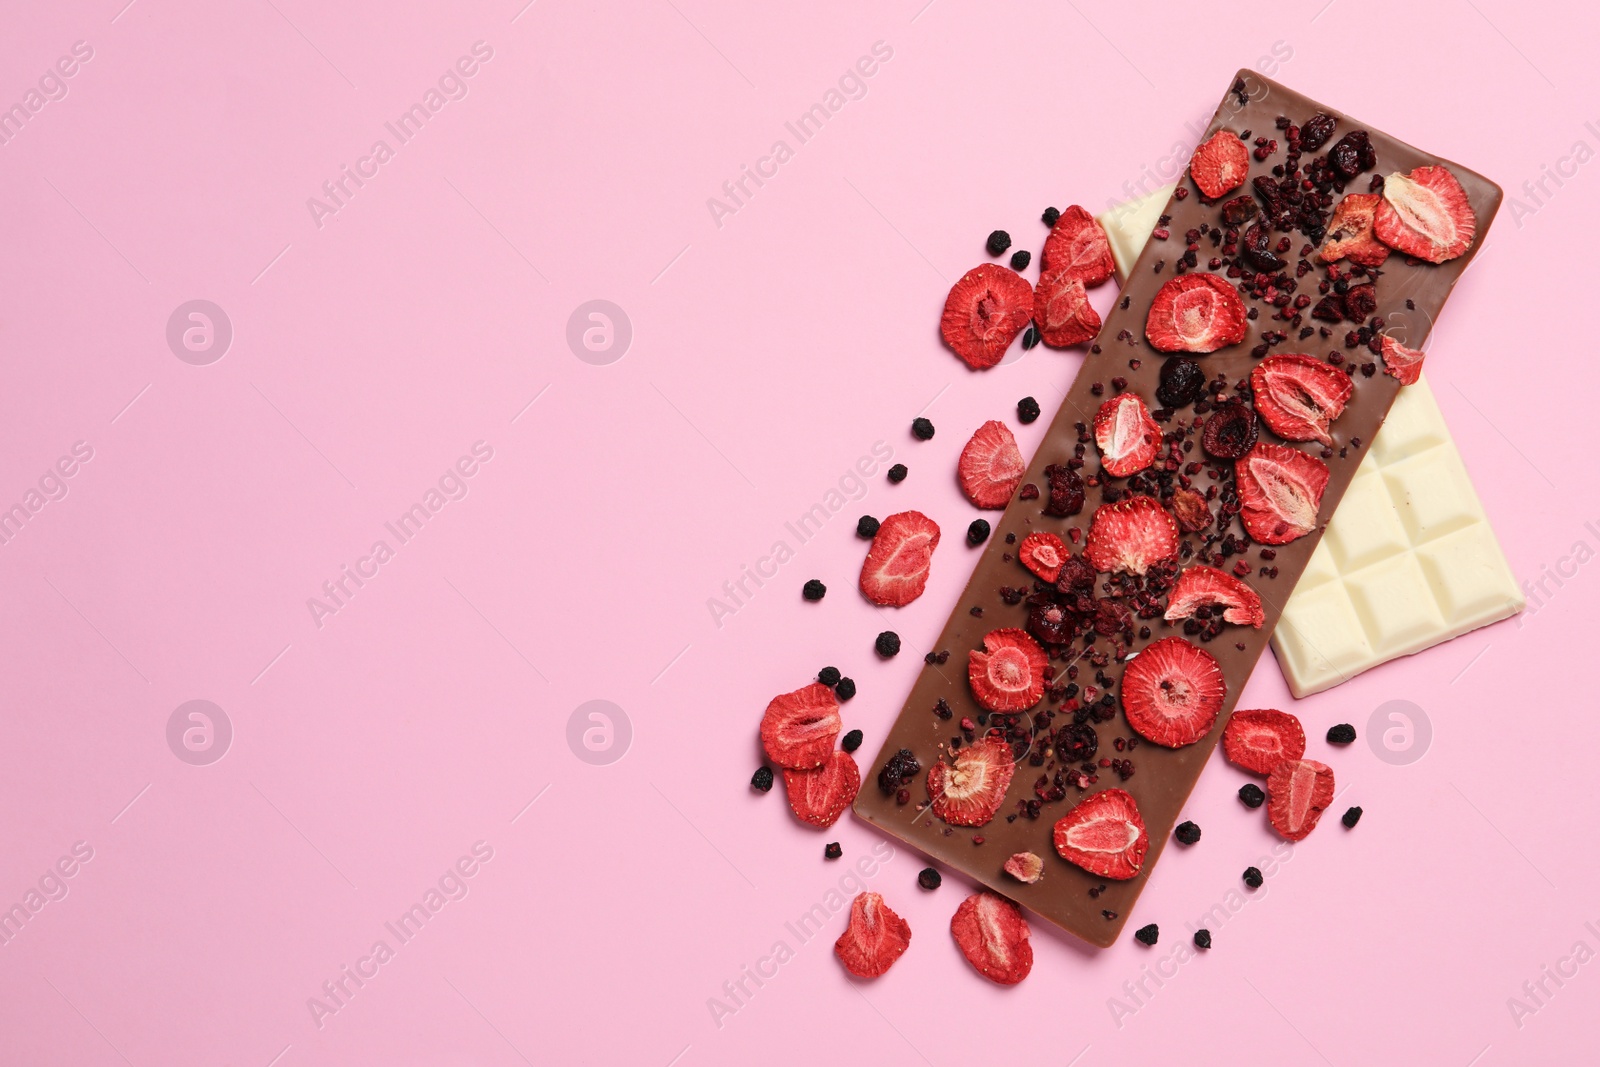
(1027, 410)
(814, 590)
(998, 242)
(1252, 877)
(1147, 935)
(922, 429)
(887, 644)
(978, 532)
(1020, 260)
(1351, 817)
(1341, 734)
(1187, 833)
(866, 526)
(929, 879)
(829, 676)
(851, 741)
(761, 781)
(1251, 795)
(897, 473)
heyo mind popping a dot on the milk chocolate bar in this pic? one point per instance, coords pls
(1261, 240)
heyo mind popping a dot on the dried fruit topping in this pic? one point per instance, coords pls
(1172, 692)
(1202, 939)
(1182, 382)
(1316, 131)
(993, 936)
(1360, 301)
(896, 568)
(977, 532)
(798, 728)
(1255, 248)
(1220, 165)
(1104, 835)
(874, 939)
(1297, 792)
(851, 741)
(813, 590)
(1025, 867)
(1147, 935)
(991, 467)
(929, 878)
(1251, 796)
(1342, 734)
(922, 429)
(899, 770)
(1230, 430)
(1077, 742)
(1280, 490)
(1350, 232)
(832, 851)
(887, 644)
(820, 796)
(1192, 511)
(1352, 154)
(1186, 832)
(1401, 362)
(1425, 214)
(1027, 410)
(866, 527)
(1239, 210)
(1043, 554)
(761, 781)
(1008, 675)
(1128, 437)
(1195, 313)
(998, 242)
(1020, 260)
(1259, 740)
(1201, 587)
(1066, 491)
(1078, 246)
(1062, 311)
(1351, 817)
(1131, 535)
(984, 312)
(1253, 878)
(1299, 396)
(970, 790)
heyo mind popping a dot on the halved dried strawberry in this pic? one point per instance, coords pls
(970, 790)
(1195, 313)
(1220, 165)
(1425, 214)
(1062, 311)
(1297, 793)
(1043, 554)
(1260, 739)
(1401, 362)
(896, 568)
(1299, 396)
(1201, 586)
(1009, 674)
(1078, 245)
(819, 796)
(1172, 692)
(1280, 490)
(875, 938)
(991, 467)
(1104, 835)
(1025, 867)
(798, 728)
(984, 312)
(993, 936)
(1350, 232)
(1128, 437)
(1131, 535)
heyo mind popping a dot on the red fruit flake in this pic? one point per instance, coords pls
(1220, 165)
(1350, 232)
(993, 936)
(1298, 791)
(1131, 535)
(819, 796)
(896, 568)
(875, 938)
(1425, 214)
(1172, 692)
(984, 312)
(798, 728)
(1195, 313)
(991, 467)
(1128, 437)
(1259, 740)
(1192, 511)
(1025, 867)
(1104, 835)
(1078, 246)
(1062, 311)
(1201, 586)
(1401, 362)
(1043, 554)
(970, 790)
(1299, 396)
(1009, 674)
(1280, 490)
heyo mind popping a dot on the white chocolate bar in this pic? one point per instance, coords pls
(1408, 560)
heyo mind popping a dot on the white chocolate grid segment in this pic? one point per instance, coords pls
(1408, 560)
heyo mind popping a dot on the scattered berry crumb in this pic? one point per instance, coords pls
(1027, 410)
(1147, 935)
(1252, 877)
(866, 527)
(1187, 833)
(1351, 817)
(897, 473)
(929, 879)
(833, 851)
(978, 532)
(761, 781)
(1202, 939)
(922, 429)
(814, 590)
(1251, 795)
(851, 741)
(1342, 734)
(888, 644)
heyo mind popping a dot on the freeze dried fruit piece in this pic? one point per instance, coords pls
(991, 467)
(1025, 867)
(1280, 490)
(1078, 246)
(798, 728)
(1425, 214)
(970, 790)
(1131, 535)
(1230, 431)
(1043, 554)
(1195, 313)
(993, 936)
(1401, 362)
(1104, 835)
(1201, 586)
(1191, 511)
(1128, 437)
(1062, 311)
(984, 312)
(1172, 692)
(1009, 674)
(1182, 382)
(819, 796)
(874, 939)
(896, 568)
(1297, 793)
(1258, 740)
(1066, 491)
(1147, 935)
(1299, 396)
(1220, 165)
(1350, 232)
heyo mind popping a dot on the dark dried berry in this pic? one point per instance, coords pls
(901, 769)
(1050, 216)
(1352, 154)
(888, 644)
(1351, 817)
(897, 473)
(832, 851)
(1342, 734)
(1020, 260)
(1239, 210)
(1255, 248)
(1076, 742)
(1066, 491)
(978, 532)
(1329, 309)
(1027, 410)
(1252, 877)
(813, 590)
(922, 429)
(1315, 133)
(1187, 833)
(1202, 939)
(761, 781)
(1030, 337)
(845, 688)
(829, 676)
(1182, 382)
(998, 242)
(928, 878)
(1360, 303)
(851, 741)
(1230, 431)
(1147, 935)
(866, 526)
(1251, 795)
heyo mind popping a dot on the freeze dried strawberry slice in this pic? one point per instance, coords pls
(1350, 232)
(1201, 586)
(991, 467)
(1062, 311)
(1259, 740)
(1425, 214)
(798, 728)
(1079, 247)
(984, 312)
(1009, 674)
(1195, 313)
(1297, 793)
(1401, 362)
(993, 935)
(1025, 867)
(1280, 490)
(875, 938)
(1043, 554)
(820, 796)
(1299, 396)
(1104, 835)
(1131, 535)
(969, 791)
(1172, 692)
(896, 568)
(1128, 437)
(1220, 165)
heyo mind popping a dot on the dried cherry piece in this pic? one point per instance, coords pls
(1230, 431)
(1255, 248)
(1182, 382)
(1239, 210)
(1360, 302)
(1315, 133)
(1077, 742)
(1066, 490)
(1352, 154)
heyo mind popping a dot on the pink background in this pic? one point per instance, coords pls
(768, 355)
